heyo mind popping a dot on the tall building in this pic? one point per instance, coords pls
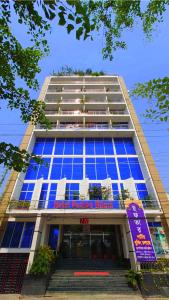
(73, 202)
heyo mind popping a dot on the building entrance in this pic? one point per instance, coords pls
(94, 242)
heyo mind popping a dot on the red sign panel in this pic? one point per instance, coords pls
(84, 220)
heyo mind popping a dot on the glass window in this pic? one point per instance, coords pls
(8, 235)
(116, 202)
(27, 191)
(59, 147)
(15, 231)
(135, 169)
(52, 195)
(32, 170)
(44, 169)
(53, 236)
(95, 191)
(16, 235)
(129, 167)
(99, 147)
(72, 191)
(111, 168)
(71, 168)
(141, 191)
(27, 235)
(78, 146)
(108, 145)
(43, 146)
(43, 195)
(89, 146)
(124, 146)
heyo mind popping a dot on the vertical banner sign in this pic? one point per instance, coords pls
(140, 233)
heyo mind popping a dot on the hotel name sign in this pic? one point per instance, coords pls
(83, 204)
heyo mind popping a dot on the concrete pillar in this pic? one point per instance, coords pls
(132, 255)
(35, 241)
(130, 186)
(36, 194)
(84, 189)
(124, 241)
(61, 189)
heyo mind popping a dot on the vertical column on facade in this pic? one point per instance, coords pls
(35, 240)
(124, 241)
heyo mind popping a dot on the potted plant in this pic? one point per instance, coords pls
(35, 283)
(133, 278)
(19, 204)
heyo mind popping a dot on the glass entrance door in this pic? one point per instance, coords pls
(93, 245)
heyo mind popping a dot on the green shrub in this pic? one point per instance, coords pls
(42, 261)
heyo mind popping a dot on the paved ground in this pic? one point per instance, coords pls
(76, 296)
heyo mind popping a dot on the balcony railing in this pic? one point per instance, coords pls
(87, 126)
(76, 204)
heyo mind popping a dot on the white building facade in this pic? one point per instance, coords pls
(73, 202)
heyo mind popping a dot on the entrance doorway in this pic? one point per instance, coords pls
(94, 242)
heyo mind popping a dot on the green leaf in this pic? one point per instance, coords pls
(70, 27)
(78, 20)
(79, 32)
(62, 20)
(71, 17)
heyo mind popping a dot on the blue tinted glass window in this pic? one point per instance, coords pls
(72, 191)
(44, 169)
(27, 235)
(27, 191)
(53, 236)
(116, 203)
(56, 169)
(69, 143)
(43, 195)
(129, 145)
(38, 147)
(135, 169)
(52, 195)
(48, 146)
(16, 235)
(90, 171)
(108, 145)
(99, 147)
(119, 146)
(67, 170)
(78, 146)
(101, 169)
(89, 145)
(141, 191)
(59, 147)
(32, 170)
(8, 234)
(111, 168)
(124, 168)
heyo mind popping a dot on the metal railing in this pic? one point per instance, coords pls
(86, 126)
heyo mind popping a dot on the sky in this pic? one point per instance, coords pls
(142, 61)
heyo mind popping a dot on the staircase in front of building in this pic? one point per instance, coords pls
(78, 275)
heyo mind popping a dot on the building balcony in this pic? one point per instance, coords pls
(75, 205)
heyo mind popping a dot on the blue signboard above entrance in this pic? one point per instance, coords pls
(83, 204)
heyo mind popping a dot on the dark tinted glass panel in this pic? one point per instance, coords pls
(89, 147)
(8, 234)
(27, 235)
(53, 236)
(16, 235)
(108, 145)
(129, 146)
